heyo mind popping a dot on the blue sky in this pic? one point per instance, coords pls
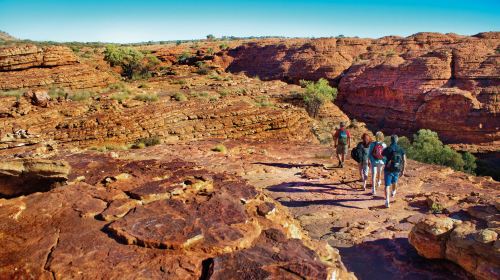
(135, 21)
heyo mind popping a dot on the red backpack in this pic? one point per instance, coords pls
(377, 151)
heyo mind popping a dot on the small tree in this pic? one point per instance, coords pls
(316, 94)
(210, 37)
(130, 60)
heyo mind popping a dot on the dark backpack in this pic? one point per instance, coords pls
(342, 137)
(377, 151)
(358, 152)
(395, 163)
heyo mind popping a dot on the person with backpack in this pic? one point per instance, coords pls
(375, 153)
(360, 155)
(394, 167)
(342, 142)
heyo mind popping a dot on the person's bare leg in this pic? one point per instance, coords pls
(387, 195)
(374, 179)
(338, 157)
(394, 187)
(379, 170)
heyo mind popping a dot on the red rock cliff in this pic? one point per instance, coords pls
(448, 83)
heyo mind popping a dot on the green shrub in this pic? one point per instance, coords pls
(263, 101)
(184, 57)
(436, 208)
(147, 97)
(179, 82)
(180, 97)
(135, 64)
(223, 46)
(426, 147)
(81, 95)
(316, 94)
(55, 93)
(210, 37)
(12, 93)
(120, 96)
(224, 92)
(210, 51)
(147, 142)
(220, 148)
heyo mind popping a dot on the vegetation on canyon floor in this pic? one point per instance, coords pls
(135, 64)
(427, 147)
(316, 94)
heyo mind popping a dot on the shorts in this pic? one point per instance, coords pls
(391, 178)
(342, 149)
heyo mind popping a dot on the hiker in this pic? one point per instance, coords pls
(377, 160)
(342, 142)
(394, 167)
(360, 155)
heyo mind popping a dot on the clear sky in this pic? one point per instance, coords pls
(135, 21)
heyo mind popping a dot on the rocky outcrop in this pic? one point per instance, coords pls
(445, 82)
(31, 66)
(108, 121)
(155, 219)
(471, 241)
(19, 177)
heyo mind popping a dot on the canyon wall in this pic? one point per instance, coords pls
(447, 83)
(30, 66)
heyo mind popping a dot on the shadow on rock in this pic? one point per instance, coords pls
(396, 259)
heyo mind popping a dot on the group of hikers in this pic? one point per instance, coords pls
(375, 156)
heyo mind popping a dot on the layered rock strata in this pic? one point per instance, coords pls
(30, 66)
(447, 83)
(122, 219)
(469, 239)
(109, 121)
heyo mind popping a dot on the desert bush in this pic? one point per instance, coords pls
(210, 51)
(135, 64)
(224, 92)
(147, 97)
(81, 95)
(148, 141)
(110, 147)
(316, 94)
(210, 37)
(263, 101)
(12, 93)
(120, 96)
(184, 57)
(202, 68)
(223, 46)
(180, 97)
(178, 82)
(215, 77)
(55, 92)
(220, 148)
(426, 147)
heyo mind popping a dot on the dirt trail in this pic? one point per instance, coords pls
(331, 205)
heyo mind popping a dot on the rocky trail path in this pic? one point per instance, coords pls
(331, 205)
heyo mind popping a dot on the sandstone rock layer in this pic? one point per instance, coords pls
(447, 83)
(30, 66)
(123, 219)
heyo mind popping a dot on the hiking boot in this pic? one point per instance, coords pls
(386, 204)
(374, 191)
(341, 165)
(393, 193)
